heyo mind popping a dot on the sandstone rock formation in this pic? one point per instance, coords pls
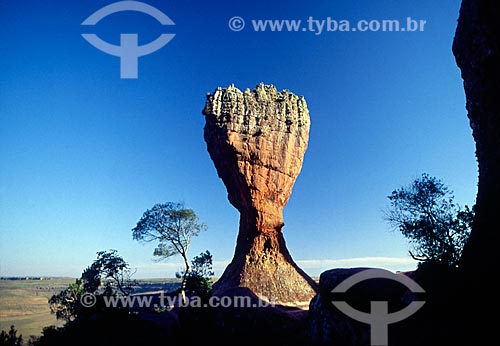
(477, 51)
(257, 140)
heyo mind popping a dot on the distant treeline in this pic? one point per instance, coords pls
(37, 278)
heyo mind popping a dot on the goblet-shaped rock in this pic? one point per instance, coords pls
(257, 140)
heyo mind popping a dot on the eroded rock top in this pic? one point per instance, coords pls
(257, 140)
(253, 112)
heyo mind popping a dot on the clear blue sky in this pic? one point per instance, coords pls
(85, 153)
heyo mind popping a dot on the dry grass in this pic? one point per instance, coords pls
(23, 303)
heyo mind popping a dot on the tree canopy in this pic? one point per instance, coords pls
(108, 275)
(426, 214)
(198, 280)
(172, 226)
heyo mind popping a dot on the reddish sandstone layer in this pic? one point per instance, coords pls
(257, 140)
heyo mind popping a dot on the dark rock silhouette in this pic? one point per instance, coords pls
(330, 326)
(476, 47)
(257, 140)
(477, 51)
(276, 325)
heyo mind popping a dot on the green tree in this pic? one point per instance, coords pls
(172, 226)
(10, 338)
(198, 280)
(108, 275)
(425, 213)
(202, 265)
(66, 304)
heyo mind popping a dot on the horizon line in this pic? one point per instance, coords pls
(313, 267)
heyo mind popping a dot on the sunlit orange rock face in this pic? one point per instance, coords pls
(257, 140)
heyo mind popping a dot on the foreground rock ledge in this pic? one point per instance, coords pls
(257, 140)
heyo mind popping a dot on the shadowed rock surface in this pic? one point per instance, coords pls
(476, 47)
(440, 321)
(330, 326)
(477, 51)
(257, 140)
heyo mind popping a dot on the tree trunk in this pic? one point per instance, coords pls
(184, 278)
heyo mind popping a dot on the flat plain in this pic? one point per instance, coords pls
(24, 303)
